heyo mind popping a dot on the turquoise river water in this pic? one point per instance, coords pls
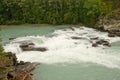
(66, 58)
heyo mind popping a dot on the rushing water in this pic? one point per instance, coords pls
(66, 58)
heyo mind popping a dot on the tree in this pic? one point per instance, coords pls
(53, 11)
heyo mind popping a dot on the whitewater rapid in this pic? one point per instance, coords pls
(63, 49)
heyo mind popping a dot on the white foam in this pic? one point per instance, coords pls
(63, 49)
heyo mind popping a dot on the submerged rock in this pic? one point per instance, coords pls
(26, 44)
(72, 28)
(31, 47)
(101, 42)
(95, 38)
(75, 37)
(94, 45)
(34, 49)
(111, 35)
(11, 38)
(40, 49)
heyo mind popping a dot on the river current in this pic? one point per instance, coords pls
(66, 58)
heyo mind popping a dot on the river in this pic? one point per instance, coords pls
(66, 58)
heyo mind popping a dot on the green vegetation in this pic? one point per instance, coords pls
(1, 51)
(2, 55)
(53, 11)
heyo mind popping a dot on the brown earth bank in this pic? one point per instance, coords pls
(11, 69)
(110, 23)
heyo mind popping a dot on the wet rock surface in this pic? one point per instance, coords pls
(75, 37)
(11, 38)
(110, 23)
(31, 47)
(101, 42)
(94, 38)
(11, 69)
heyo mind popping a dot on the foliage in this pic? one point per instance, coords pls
(2, 55)
(52, 11)
(1, 51)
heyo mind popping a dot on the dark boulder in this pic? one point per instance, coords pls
(40, 49)
(27, 48)
(118, 34)
(75, 37)
(95, 38)
(101, 42)
(30, 47)
(26, 44)
(107, 44)
(21, 63)
(72, 28)
(94, 45)
(11, 38)
(111, 35)
(10, 69)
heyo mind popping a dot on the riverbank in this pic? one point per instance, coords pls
(28, 25)
(11, 69)
(110, 23)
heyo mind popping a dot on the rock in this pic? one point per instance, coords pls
(31, 43)
(21, 63)
(40, 49)
(94, 45)
(101, 28)
(74, 37)
(27, 48)
(30, 47)
(22, 75)
(95, 38)
(21, 71)
(10, 69)
(113, 31)
(110, 22)
(25, 66)
(101, 42)
(25, 44)
(34, 49)
(111, 35)
(11, 38)
(72, 28)
(118, 34)
(107, 44)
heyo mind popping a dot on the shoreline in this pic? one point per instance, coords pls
(28, 25)
(39, 25)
